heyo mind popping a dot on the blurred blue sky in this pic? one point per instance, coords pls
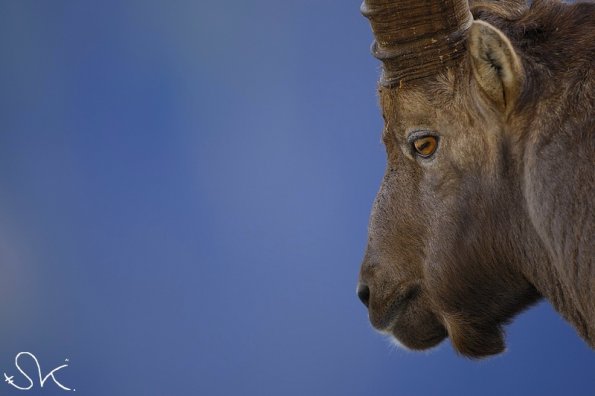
(184, 195)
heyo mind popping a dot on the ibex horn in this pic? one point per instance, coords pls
(416, 38)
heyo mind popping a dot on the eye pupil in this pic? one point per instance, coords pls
(425, 146)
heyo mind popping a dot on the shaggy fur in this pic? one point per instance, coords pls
(502, 214)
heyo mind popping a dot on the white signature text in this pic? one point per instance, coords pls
(26, 382)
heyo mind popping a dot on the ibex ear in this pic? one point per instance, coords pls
(496, 66)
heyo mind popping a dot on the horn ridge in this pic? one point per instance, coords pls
(416, 38)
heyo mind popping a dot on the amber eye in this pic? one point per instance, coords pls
(425, 146)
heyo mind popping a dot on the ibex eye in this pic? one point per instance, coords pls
(425, 146)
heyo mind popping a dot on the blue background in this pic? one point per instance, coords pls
(184, 195)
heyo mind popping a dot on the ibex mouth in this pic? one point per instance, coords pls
(407, 317)
(384, 321)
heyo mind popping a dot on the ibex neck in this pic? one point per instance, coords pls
(558, 198)
(573, 300)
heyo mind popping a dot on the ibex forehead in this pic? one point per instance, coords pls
(414, 107)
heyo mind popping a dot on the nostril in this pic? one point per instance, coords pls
(363, 292)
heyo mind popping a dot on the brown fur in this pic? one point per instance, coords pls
(502, 215)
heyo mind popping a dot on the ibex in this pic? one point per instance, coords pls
(487, 200)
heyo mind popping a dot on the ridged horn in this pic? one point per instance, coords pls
(416, 38)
